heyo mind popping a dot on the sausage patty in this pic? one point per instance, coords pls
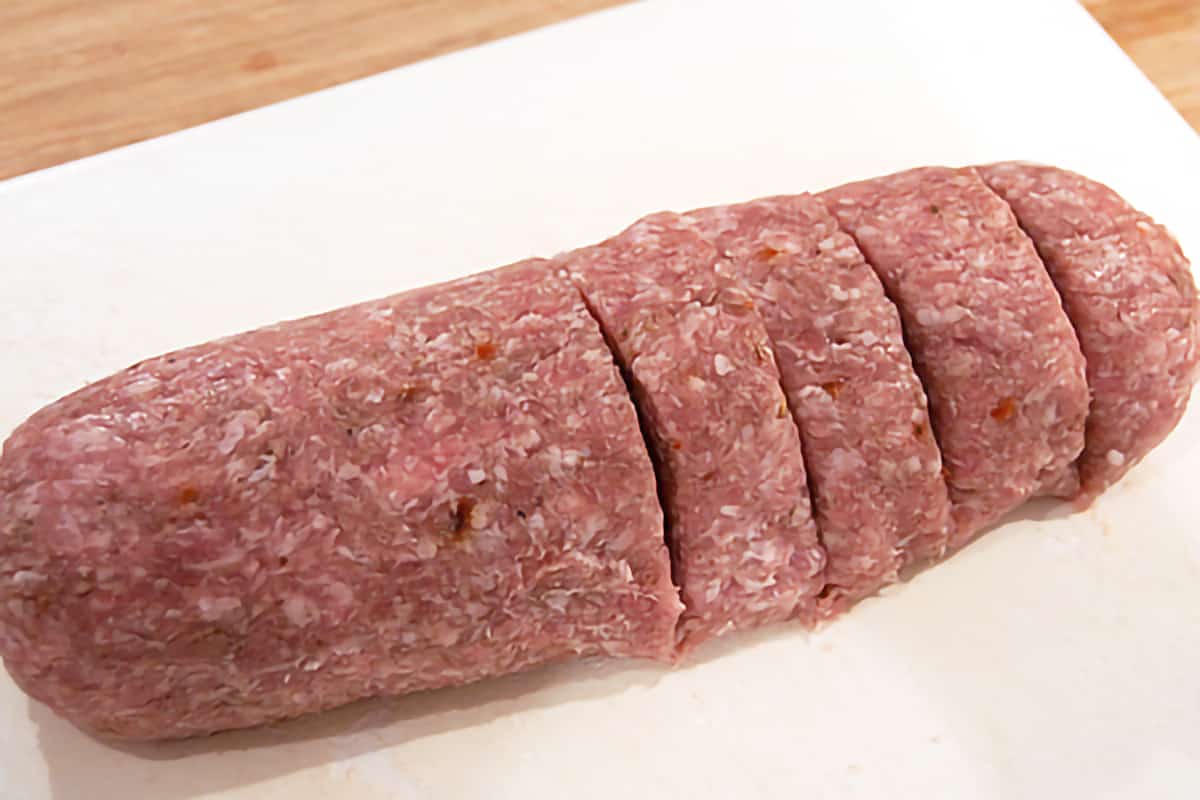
(1127, 289)
(989, 338)
(702, 372)
(874, 469)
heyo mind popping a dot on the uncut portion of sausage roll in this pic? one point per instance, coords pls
(416, 492)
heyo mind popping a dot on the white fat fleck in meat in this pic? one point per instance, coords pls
(231, 557)
(481, 515)
(234, 431)
(91, 437)
(557, 599)
(928, 316)
(1115, 457)
(342, 366)
(765, 549)
(214, 608)
(953, 314)
(754, 586)
(299, 610)
(144, 385)
(476, 476)
(26, 578)
(348, 554)
(554, 461)
(529, 439)
(349, 647)
(440, 421)
(265, 469)
(713, 590)
(722, 364)
(588, 528)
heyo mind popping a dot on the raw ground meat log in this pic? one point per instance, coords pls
(411, 493)
(1126, 287)
(540, 462)
(997, 355)
(874, 469)
(702, 372)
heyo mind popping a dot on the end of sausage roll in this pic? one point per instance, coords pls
(416, 492)
(1128, 290)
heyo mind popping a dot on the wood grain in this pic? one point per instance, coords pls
(81, 76)
(78, 77)
(1163, 39)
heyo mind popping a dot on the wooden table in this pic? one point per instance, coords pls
(78, 78)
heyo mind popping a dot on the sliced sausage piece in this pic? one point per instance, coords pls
(700, 365)
(1127, 288)
(405, 494)
(874, 469)
(989, 338)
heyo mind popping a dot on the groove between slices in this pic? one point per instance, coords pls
(1127, 289)
(995, 352)
(874, 470)
(703, 376)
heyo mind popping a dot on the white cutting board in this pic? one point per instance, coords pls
(1057, 657)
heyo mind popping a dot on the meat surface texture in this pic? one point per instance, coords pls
(703, 374)
(874, 469)
(1127, 288)
(411, 493)
(713, 421)
(990, 340)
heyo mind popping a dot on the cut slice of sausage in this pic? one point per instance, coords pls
(1127, 288)
(990, 340)
(874, 469)
(701, 369)
(406, 494)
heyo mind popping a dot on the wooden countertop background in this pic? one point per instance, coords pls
(78, 77)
